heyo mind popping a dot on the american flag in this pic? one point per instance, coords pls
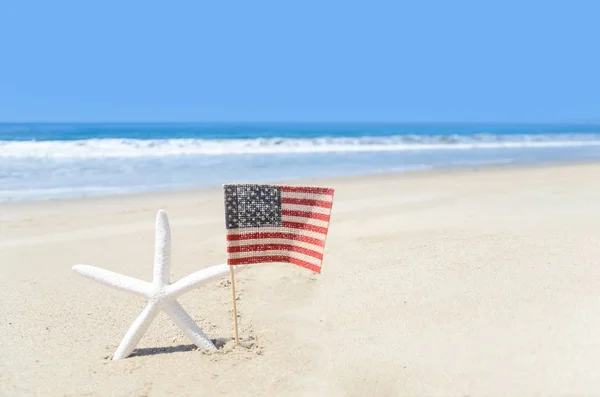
(267, 223)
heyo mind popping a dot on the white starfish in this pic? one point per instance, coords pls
(160, 293)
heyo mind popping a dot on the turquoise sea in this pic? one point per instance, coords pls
(46, 161)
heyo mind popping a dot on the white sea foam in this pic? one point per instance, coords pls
(114, 148)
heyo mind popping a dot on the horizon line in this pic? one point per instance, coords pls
(591, 121)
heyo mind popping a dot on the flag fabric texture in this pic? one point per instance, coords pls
(268, 223)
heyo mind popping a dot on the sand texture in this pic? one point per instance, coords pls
(471, 282)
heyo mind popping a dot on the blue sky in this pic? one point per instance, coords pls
(299, 61)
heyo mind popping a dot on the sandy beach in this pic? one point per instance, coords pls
(464, 282)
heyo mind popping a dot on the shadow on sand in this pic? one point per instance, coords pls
(151, 351)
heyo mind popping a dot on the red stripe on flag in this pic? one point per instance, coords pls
(311, 190)
(310, 266)
(309, 202)
(275, 247)
(273, 258)
(265, 235)
(304, 226)
(306, 214)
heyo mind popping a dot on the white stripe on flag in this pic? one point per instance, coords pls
(308, 221)
(308, 233)
(309, 196)
(306, 208)
(253, 254)
(261, 241)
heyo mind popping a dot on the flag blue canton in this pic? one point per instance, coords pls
(252, 206)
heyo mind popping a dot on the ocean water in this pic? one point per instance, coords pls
(46, 161)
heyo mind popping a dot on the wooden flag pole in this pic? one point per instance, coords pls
(235, 324)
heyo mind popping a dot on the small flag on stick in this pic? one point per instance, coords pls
(267, 223)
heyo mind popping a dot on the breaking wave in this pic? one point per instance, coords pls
(113, 148)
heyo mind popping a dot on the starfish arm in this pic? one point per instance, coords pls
(188, 325)
(136, 331)
(113, 279)
(189, 282)
(162, 250)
